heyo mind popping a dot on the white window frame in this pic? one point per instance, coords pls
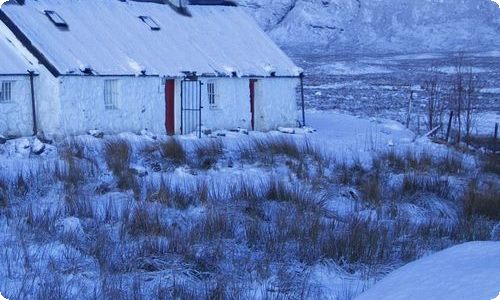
(212, 94)
(111, 94)
(6, 88)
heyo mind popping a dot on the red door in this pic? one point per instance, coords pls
(252, 101)
(170, 107)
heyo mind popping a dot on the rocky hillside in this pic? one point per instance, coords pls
(380, 25)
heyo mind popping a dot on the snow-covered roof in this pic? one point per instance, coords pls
(11, 61)
(109, 37)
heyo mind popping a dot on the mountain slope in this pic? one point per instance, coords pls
(380, 25)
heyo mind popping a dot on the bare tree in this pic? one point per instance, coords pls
(470, 102)
(457, 95)
(435, 107)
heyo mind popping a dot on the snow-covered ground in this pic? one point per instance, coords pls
(468, 271)
(322, 214)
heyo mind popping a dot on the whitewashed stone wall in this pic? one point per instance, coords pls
(140, 105)
(16, 118)
(276, 103)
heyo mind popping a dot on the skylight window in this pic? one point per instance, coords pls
(56, 19)
(150, 22)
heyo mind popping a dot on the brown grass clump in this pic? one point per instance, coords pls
(118, 153)
(208, 153)
(482, 200)
(173, 149)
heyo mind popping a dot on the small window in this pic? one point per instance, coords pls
(211, 94)
(6, 91)
(56, 19)
(150, 22)
(111, 94)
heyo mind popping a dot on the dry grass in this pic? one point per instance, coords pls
(482, 200)
(418, 184)
(118, 153)
(173, 150)
(145, 221)
(174, 196)
(208, 153)
(4, 192)
(490, 163)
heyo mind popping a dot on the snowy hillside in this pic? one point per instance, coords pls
(382, 25)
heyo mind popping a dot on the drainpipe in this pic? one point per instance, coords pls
(33, 104)
(302, 98)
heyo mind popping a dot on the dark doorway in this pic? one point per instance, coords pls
(252, 101)
(170, 106)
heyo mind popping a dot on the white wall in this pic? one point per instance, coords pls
(48, 105)
(232, 107)
(276, 103)
(16, 118)
(74, 104)
(141, 104)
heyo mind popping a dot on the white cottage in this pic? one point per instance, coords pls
(119, 65)
(16, 94)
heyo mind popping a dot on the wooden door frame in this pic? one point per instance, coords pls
(252, 83)
(170, 106)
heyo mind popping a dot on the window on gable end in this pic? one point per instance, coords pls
(153, 25)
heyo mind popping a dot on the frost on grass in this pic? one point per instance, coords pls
(82, 223)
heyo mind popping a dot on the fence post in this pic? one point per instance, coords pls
(409, 109)
(495, 138)
(302, 99)
(449, 127)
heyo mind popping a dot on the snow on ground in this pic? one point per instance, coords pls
(345, 134)
(468, 271)
(346, 68)
(340, 134)
(485, 122)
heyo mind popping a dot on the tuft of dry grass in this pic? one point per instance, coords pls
(208, 153)
(4, 192)
(490, 163)
(370, 186)
(174, 196)
(118, 153)
(145, 220)
(416, 184)
(482, 200)
(452, 163)
(173, 150)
